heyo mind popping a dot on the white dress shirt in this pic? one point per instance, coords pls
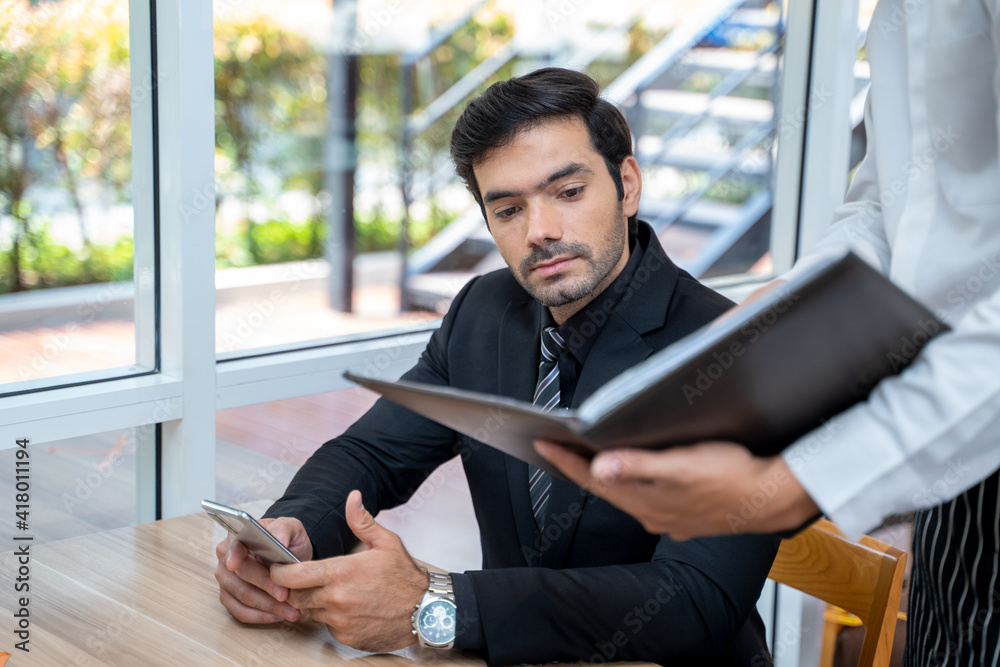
(924, 208)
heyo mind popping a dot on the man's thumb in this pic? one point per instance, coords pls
(362, 523)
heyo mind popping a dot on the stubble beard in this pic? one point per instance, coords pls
(602, 260)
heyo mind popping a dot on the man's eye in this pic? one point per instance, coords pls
(507, 212)
(572, 192)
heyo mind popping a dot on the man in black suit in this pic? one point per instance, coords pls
(565, 575)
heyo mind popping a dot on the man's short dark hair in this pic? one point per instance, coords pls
(508, 108)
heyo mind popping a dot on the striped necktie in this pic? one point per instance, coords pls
(546, 398)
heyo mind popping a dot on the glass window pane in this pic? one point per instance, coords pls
(67, 299)
(260, 447)
(862, 81)
(73, 487)
(333, 124)
(280, 163)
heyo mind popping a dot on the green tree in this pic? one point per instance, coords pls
(64, 114)
(270, 94)
(22, 54)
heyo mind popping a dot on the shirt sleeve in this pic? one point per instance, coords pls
(469, 626)
(386, 454)
(857, 224)
(923, 436)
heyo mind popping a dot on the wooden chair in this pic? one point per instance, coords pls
(864, 578)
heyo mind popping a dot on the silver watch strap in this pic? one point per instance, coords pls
(440, 585)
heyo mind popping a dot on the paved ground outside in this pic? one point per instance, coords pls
(77, 347)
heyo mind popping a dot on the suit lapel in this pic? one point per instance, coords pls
(642, 310)
(517, 373)
(619, 346)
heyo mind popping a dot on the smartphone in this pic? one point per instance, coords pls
(246, 529)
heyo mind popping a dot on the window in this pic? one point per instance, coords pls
(307, 207)
(76, 243)
(331, 148)
(70, 487)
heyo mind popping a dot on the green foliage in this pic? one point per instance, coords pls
(64, 117)
(375, 231)
(270, 94)
(279, 240)
(45, 263)
(424, 229)
(276, 240)
(283, 241)
(730, 190)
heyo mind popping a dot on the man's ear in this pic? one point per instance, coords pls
(632, 185)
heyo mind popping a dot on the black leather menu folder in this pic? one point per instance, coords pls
(762, 375)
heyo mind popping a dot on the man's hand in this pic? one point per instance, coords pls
(245, 585)
(712, 488)
(366, 599)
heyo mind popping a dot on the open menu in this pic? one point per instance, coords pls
(762, 375)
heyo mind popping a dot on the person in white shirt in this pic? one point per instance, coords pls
(923, 208)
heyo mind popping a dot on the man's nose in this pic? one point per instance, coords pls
(544, 225)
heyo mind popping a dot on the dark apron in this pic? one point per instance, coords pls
(954, 614)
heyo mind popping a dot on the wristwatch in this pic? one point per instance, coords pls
(434, 618)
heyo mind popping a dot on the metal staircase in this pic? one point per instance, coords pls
(701, 105)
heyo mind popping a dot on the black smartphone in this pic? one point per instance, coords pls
(246, 529)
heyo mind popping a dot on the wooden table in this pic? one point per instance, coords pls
(145, 596)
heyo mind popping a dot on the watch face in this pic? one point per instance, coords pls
(437, 622)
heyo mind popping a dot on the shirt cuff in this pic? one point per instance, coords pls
(469, 632)
(844, 466)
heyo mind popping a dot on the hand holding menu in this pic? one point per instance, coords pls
(763, 375)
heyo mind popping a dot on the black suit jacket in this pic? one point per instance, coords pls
(595, 586)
